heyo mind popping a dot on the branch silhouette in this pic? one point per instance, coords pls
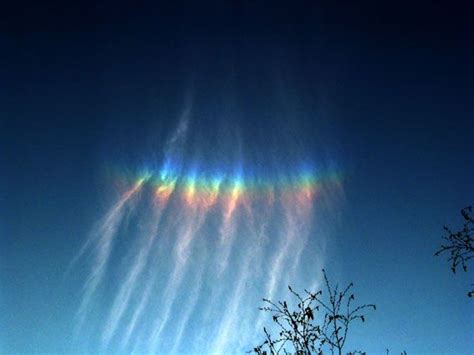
(460, 245)
(301, 332)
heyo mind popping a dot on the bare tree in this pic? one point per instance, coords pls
(460, 245)
(301, 332)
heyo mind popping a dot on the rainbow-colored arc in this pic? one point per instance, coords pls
(202, 190)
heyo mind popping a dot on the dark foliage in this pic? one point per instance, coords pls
(402, 353)
(460, 245)
(317, 322)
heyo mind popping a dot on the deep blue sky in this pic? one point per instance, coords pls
(391, 84)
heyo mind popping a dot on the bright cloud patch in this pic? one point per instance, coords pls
(182, 258)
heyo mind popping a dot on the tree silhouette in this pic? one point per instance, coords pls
(299, 329)
(460, 244)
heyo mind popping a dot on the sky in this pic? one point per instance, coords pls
(165, 167)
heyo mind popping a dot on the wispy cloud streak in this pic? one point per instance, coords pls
(233, 315)
(227, 229)
(137, 314)
(193, 218)
(106, 232)
(129, 285)
(202, 246)
(193, 296)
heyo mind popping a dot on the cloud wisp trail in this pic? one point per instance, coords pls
(297, 225)
(137, 314)
(238, 241)
(296, 206)
(188, 309)
(227, 229)
(106, 232)
(193, 218)
(203, 243)
(129, 285)
(255, 232)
